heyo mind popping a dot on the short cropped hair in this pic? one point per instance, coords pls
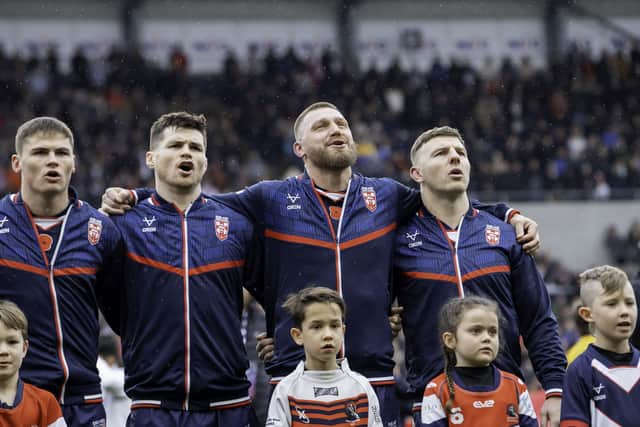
(180, 119)
(297, 303)
(301, 116)
(611, 278)
(429, 135)
(13, 318)
(41, 125)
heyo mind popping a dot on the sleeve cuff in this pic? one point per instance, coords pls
(134, 194)
(553, 392)
(510, 214)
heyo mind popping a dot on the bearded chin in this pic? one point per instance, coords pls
(338, 162)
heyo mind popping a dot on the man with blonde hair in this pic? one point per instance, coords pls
(54, 252)
(451, 249)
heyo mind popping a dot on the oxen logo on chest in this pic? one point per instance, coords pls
(293, 198)
(492, 234)
(412, 237)
(369, 197)
(149, 223)
(94, 230)
(222, 228)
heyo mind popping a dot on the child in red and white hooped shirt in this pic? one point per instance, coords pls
(472, 391)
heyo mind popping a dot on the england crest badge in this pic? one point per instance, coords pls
(94, 230)
(222, 227)
(492, 234)
(369, 197)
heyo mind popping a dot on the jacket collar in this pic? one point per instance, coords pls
(17, 199)
(423, 211)
(305, 178)
(157, 200)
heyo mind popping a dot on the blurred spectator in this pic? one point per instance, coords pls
(633, 242)
(601, 190)
(615, 244)
(624, 249)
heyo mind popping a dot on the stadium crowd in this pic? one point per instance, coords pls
(533, 133)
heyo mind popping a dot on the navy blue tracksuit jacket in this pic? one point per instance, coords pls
(431, 268)
(181, 300)
(58, 287)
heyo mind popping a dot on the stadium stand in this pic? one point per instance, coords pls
(571, 130)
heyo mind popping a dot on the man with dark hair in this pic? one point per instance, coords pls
(184, 266)
(180, 119)
(333, 227)
(54, 251)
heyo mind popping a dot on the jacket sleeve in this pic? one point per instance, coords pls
(537, 323)
(141, 194)
(253, 280)
(575, 408)
(499, 210)
(375, 419)
(433, 414)
(278, 414)
(248, 202)
(408, 201)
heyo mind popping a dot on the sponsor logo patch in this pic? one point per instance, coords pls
(302, 417)
(293, 198)
(412, 238)
(148, 222)
(325, 391)
(598, 390)
(479, 404)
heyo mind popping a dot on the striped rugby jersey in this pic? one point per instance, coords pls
(333, 398)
